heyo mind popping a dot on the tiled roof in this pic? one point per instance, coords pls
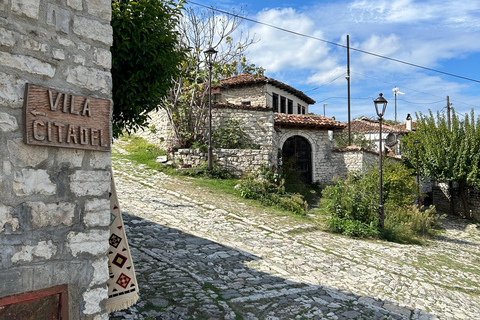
(367, 125)
(307, 121)
(248, 79)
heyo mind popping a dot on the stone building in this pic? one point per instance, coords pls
(275, 117)
(54, 199)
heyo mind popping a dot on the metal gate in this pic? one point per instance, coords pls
(297, 149)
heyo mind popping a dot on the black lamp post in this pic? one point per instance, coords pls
(380, 106)
(416, 143)
(210, 53)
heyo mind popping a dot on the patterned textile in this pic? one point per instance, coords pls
(122, 284)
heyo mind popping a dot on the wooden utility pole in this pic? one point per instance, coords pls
(348, 85)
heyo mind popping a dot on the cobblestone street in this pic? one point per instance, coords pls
(200, 260)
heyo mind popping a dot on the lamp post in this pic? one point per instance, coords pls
(380, 106)
(416, 143)
(210, 52)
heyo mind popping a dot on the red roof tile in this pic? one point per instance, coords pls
(248, 79)
(367, 125)
(307, 120)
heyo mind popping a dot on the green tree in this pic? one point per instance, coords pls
(447, 153)
(145, 58)
(187, 101)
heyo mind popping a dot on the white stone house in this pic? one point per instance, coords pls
(275, 117)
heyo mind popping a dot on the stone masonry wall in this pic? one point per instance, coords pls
(255, 95)
(442, 196)
(160, 131)
(54, 202)
(238, 162)
(257, 123)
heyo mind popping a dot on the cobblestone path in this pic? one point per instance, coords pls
(201, 260)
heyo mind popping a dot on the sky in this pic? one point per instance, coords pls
(437, 34)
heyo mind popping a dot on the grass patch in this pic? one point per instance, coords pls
(142, 152)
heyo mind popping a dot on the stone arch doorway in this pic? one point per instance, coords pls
(298, 150)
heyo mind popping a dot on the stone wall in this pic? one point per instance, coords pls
(54, 202)
(238, 162)
(258, 123)
(160, 130)
(253, 94)
(442, 197)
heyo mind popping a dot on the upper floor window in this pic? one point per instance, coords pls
(283, 104)
(275, 102)
(290, 106)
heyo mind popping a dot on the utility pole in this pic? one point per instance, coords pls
(324, 105)
(348, 85)
(448, 113)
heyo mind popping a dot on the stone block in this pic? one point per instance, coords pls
(10, 282)
(89, 78)
(8, 123)
(100, 271)
(23, 155)
(93, 298)
(29, 8)
(7, 218)
(30, 181)
(90, 183)
(94, 242)
(75, 4)
(65, 42)
(58, 17)
(100, 160)
(33, 45)
(44, 249)
(100, 8)
(102, 57)
(43, 276)
(7, 38)
(97, 213)
(11, 90)
(27, 64)
(58, 54)
(72, 157)
(92, 29)
(52, 214)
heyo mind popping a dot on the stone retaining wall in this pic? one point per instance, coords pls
(238, 162)
(54, 202)
(442, 197)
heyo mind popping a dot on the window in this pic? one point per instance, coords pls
(299, 108)
(283, 104)
(246, 103)
(290, 106)
(303, 110)
(275, 102)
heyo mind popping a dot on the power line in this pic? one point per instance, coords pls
(325, 83)
(334, 43)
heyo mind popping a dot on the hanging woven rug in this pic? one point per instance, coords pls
(122, 284)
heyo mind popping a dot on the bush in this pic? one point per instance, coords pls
(231, 136)
(352, 206)
(266, 186)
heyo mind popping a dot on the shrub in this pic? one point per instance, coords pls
(266, 186)
(352, 206)
(231, 136)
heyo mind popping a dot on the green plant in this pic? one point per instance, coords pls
(145, 57)
(231, 136)
(352, 206)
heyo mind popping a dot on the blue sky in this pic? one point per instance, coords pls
(437, 34)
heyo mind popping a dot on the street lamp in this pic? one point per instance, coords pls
(210, 54)
(416, 143)
(380, 106)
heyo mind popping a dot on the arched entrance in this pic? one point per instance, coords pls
(297, 149)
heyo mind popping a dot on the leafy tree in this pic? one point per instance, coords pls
(447, 154)
(145, 57)
(187, 101)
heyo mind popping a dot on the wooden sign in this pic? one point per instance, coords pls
(60, 119)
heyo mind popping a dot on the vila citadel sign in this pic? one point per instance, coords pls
(54, 118)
